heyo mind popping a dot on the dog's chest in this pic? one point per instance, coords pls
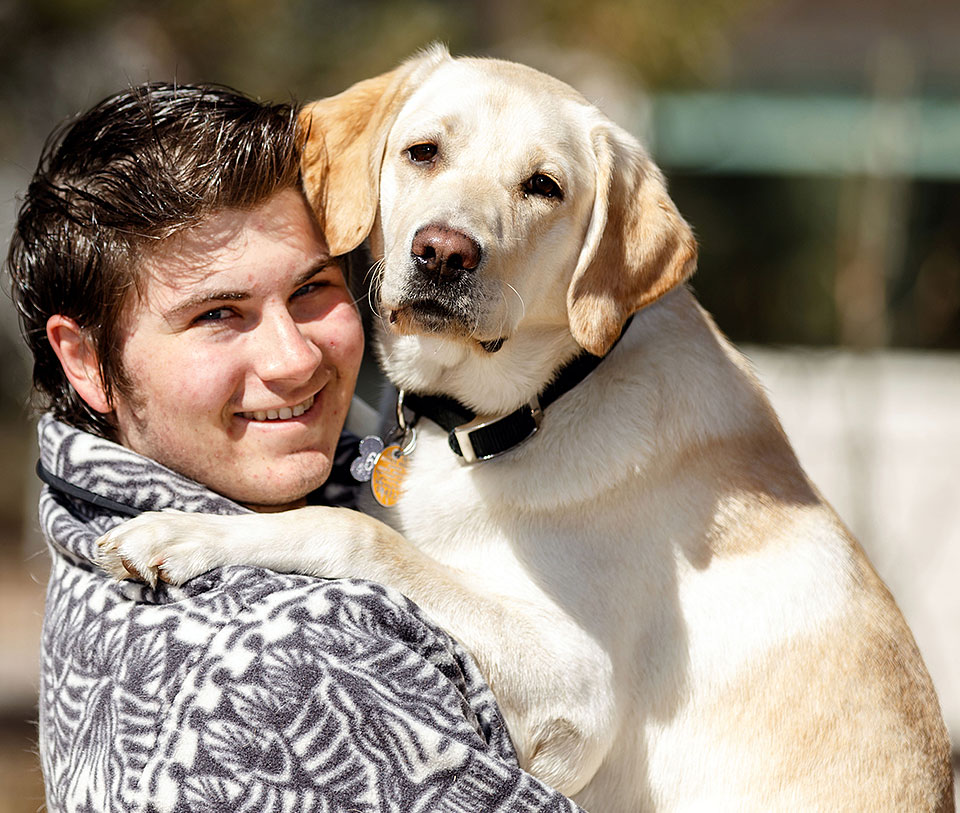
(443, 513)
(471, 517)
(474, 518)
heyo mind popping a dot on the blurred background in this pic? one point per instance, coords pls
(813, 144)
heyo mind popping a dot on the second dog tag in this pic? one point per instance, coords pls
(370, 449)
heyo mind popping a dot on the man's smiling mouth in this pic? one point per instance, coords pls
(280, 414)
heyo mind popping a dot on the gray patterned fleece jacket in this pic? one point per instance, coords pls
(247, 690)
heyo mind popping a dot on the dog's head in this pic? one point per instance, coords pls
(506, 202)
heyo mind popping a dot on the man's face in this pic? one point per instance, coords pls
(243, 354)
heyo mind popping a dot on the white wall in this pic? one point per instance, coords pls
(879, 434)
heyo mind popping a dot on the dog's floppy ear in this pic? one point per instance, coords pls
(637, 246)
(345, 139)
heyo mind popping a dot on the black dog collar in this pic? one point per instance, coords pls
(479, 438)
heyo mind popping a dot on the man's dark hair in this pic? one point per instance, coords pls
(111, 184)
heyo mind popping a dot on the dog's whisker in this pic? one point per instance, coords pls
(503, 312)
(355, 301)
(523, 306)
(476, 325)
(374, 280)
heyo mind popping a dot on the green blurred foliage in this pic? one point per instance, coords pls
(669, 42)
(317, 46)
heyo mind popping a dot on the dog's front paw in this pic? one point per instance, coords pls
(167, 546)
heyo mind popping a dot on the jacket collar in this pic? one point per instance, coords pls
(120, 477)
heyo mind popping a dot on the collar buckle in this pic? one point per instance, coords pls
(523, 425)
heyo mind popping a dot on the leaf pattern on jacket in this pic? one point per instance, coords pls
(245, 689)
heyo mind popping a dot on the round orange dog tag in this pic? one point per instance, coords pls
(388, 474)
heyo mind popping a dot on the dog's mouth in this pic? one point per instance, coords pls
(492, 345)
(427, 316)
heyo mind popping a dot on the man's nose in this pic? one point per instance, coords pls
(283, 351)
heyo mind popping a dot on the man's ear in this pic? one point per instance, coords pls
(346, 138)
(79, 361)
(637, 247)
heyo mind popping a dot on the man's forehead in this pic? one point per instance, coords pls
(191, 254)
(234, 248)
(173, 274)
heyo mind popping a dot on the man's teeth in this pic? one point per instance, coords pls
(282, 414)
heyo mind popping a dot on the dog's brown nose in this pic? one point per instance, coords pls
(443, 254)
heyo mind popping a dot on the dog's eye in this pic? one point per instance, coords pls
(422, 153)
(542, 186)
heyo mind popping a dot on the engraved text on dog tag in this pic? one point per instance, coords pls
(362, 468)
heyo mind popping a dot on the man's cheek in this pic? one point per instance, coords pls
(353, 331)
(343, 338)
(201, 379)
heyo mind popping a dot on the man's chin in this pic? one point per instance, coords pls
(283, 491)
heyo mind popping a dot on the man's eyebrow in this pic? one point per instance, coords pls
(203, 299)
(321, 265)
(210, 297)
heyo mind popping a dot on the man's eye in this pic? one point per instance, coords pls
(310, 287)
(214, 315)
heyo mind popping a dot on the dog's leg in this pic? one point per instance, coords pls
(552, 681)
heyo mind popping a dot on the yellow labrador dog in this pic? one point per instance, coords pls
(670, 615)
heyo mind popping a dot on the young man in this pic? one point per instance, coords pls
(197, 348)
